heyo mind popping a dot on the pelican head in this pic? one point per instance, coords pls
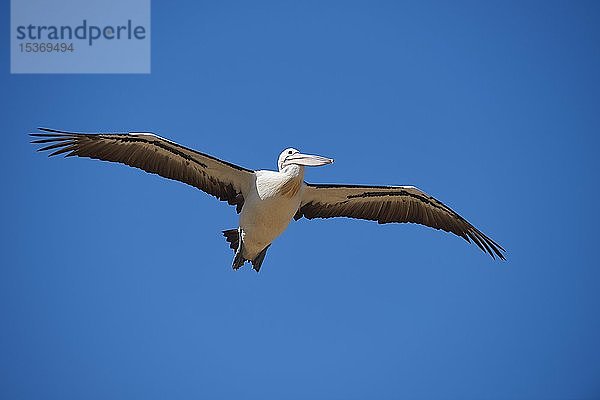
(292, 156)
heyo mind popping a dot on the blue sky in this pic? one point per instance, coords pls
(117, 284)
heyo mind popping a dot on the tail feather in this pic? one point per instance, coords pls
(257, 262)
(238, 261)
(232, 236)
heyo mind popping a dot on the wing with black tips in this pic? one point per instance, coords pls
(386, 204)
(154, 154)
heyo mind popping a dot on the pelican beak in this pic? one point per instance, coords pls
(309, 160)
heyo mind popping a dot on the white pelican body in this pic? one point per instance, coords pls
(268, 210)
(267, 200)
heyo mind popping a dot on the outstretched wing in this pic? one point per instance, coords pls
(386, 204)
(154, 154)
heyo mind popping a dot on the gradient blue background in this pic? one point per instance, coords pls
(117, 284)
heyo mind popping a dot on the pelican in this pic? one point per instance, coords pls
(266, 201)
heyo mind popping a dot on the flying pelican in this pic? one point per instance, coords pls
(266, 200)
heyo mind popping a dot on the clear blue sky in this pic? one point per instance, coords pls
(117, 284)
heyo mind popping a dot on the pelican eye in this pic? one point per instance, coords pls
(290, 152)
